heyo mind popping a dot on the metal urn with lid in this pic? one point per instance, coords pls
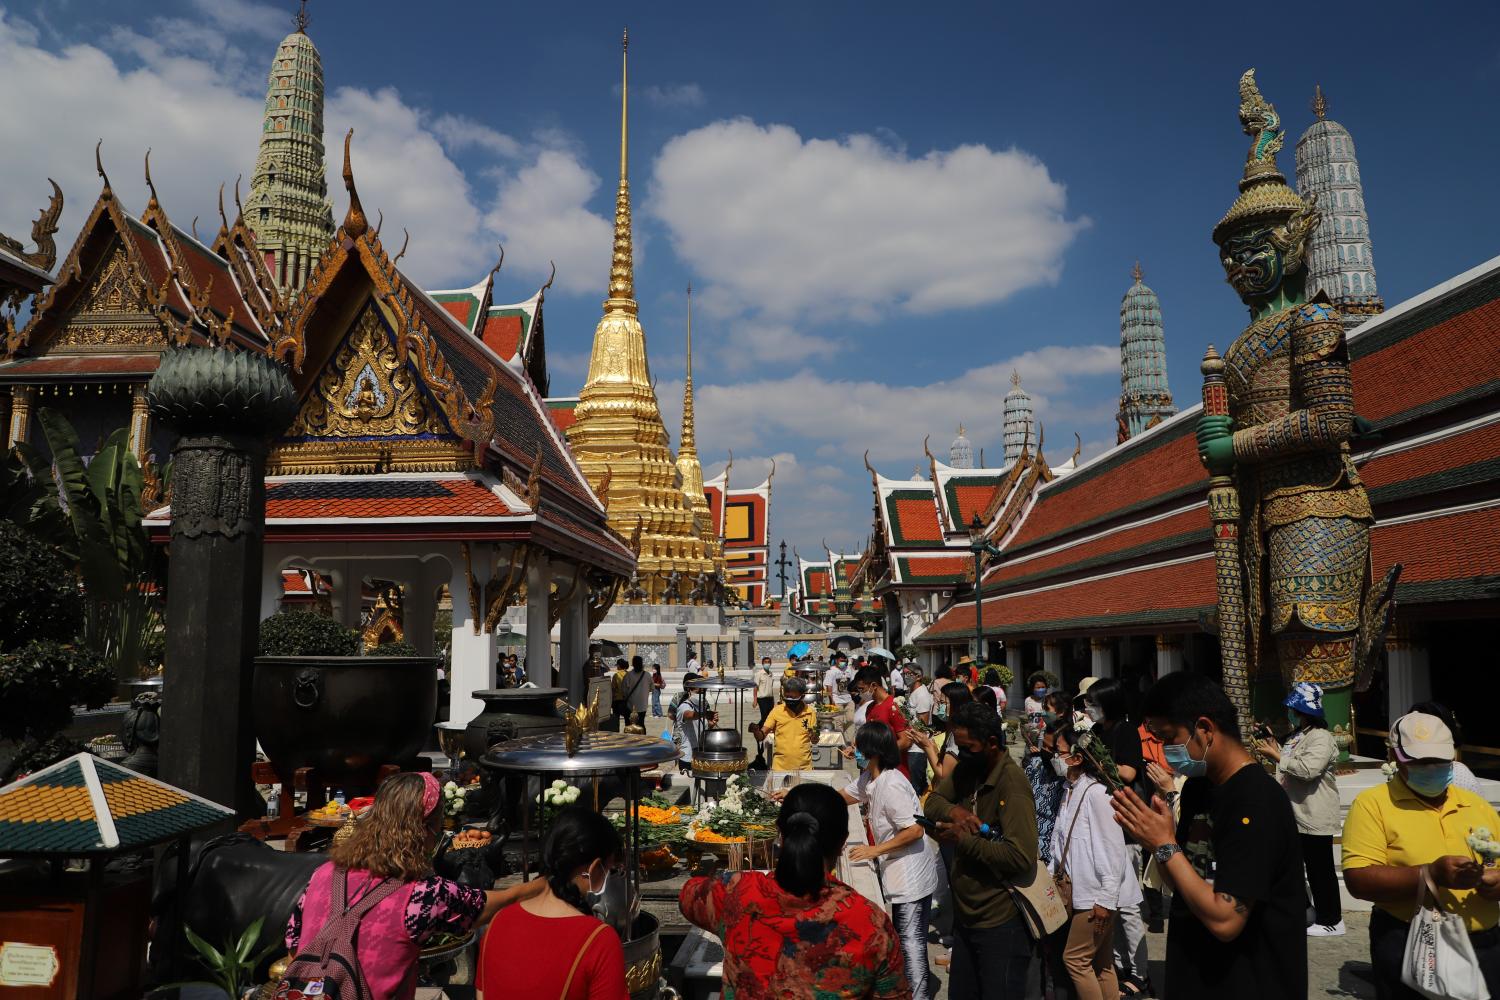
(720, 754)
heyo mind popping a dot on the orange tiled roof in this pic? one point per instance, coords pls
(305, 497)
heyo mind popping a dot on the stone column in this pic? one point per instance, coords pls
(227, 405)
(573, 645)
(20, 416)
(745, 651)
(1052, 657)
(1168, 655)
(1102, 657)
(682, 647)
(1410, 673)
(472, 653)
(538, 633)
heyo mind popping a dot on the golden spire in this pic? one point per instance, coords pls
(621, 267)
(689, 443)
(618, 427)
(1015, 378)
(688, 465)
(1319, 105)
(1137, 273)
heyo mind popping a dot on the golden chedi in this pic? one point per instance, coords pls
(619, 439)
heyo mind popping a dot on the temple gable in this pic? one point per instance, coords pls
(369, 410)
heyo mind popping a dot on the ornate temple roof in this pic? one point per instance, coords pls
(961, 451)
(742, 518)
(1020, 420)
(1124, 541)
(288, 206)
(85, 805)
(131, 286)
(1340, 259)
(514, 332)
(1145, 399)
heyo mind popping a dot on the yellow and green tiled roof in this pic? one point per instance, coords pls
(85, 805)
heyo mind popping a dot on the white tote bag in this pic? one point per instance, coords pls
(1440, 961)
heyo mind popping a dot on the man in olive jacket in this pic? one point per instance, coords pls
(984, 809)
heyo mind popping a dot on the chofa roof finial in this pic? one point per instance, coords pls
(99, 166)
(355, 222)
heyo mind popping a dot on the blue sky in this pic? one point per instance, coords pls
(882, 210)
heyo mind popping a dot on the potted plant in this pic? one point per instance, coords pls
(318, 703)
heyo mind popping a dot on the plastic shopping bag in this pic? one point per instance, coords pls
(1440, 961)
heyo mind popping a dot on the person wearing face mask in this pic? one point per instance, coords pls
(793, 726)
(1304, 765)
(985, 810)
(1088, 850)
(389, 855)
(1104, 703)
(552, 945)
(1233, 859)
(800, 932)
(1412, 829)
(908, 869)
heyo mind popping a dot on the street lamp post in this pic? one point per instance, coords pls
(979, 544)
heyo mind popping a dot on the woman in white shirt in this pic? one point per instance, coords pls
(1088, 847)
(908, 868)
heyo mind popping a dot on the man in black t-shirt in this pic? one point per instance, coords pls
(1234, 861)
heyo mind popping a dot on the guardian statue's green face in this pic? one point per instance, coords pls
(1253, 263)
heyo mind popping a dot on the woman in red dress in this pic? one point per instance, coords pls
(550, 945)
(801, 933)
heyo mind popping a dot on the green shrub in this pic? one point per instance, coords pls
(39, 596)
(42, 681)
(303, 633)
(399, 647)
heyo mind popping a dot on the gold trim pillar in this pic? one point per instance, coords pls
(140, 424)
(1101, 657)
(538, 628)
(1410, 677)
(1052, 657)
(20, 414)
(1168, 654)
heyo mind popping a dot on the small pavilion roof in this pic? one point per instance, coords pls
(86, 805)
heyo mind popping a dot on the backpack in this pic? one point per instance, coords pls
(328, 966)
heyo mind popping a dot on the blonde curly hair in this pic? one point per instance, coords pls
(393, 839)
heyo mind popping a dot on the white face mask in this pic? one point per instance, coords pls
(1094, 712)
(1059, 767)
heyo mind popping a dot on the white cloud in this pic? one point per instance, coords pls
(665, 95)
(191, 93)
(834, 420)
(674, 95)
(853, 228)
(539, 214)
(460, 132)
(402, 171)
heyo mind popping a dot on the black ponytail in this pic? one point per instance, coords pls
(814, 825)
(578, 837)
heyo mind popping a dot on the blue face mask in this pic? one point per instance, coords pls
(860, 760)
(1040, 693)
(1429, 780)
(1179, 760)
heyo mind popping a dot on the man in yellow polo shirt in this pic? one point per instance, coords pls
(793, 725)
(1420, 819)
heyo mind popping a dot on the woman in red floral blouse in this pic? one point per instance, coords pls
(803, 933)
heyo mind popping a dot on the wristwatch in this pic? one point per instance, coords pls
(1164, 853)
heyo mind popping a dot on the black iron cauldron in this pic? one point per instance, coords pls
(512, 713)
(344, 716)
